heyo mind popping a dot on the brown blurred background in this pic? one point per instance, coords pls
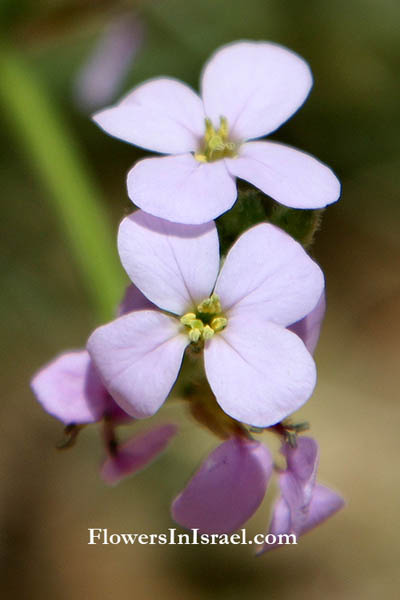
(350, 121)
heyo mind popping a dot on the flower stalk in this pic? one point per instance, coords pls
(39, 127)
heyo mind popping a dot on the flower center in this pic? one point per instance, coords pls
(216, 143)
(207, 320)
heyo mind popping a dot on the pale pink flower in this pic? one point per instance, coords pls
(248, 89)
(259, 371)
(69, 388)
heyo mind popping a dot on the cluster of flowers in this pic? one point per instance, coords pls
(252, 324)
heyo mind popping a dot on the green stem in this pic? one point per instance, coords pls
(50, 146)
(301, 224)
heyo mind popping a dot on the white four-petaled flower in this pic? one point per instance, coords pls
(248, 89)
(259, 371)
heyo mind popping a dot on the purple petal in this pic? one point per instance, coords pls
(257, 86)
(69, 389)
(298, 481)
(324, 504)
(227, 489)
(162, 115)
(134, 300)
(309, 328)
(302, 460)
(269, 272)
(113, 55)
(174, 265)
(259, 372)
(139, 357)
(137, 453)
(290, 177)
(182, 189)
(280, 523)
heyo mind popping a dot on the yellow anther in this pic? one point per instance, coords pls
(219, 323)
(207, 321)
(208, 332)
(188, 319)
(216, 143)
(210, 305)
(223, 127)
(197, 324)
(210, 131)
(194, 335)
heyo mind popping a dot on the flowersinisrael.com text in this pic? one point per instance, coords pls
(99, 536)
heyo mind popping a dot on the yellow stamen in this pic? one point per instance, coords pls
(210, 305)
(219, 323)
(207, 321)
(208, 332)
(216, 143)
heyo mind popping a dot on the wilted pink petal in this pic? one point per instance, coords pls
(298, 481)
(324, 504)
(114, 413)
(181, 189)
(227, 489)
(69, 389)
(259, 372)
(139, 356)
(308, 328)
(137, 453)
(266, 268)
(163, 115)
(302, 460)
(290, 177)
(303, 504)
(257, 86)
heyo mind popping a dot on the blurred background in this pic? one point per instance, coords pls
(63, 195)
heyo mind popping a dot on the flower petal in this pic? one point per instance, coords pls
(134, 300)
(139, 357)
(227, 489)
(280, 523)
(257, 86)
(69, 389)
(324, 503)
(309, 328)
(163, 115)
(137, 453)
(298, 481)
(302, 461)
(182, 189)
(114, 413)
(269, 272)
(259, 372)
(289, 176)
(103, 72)
(174, 265)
